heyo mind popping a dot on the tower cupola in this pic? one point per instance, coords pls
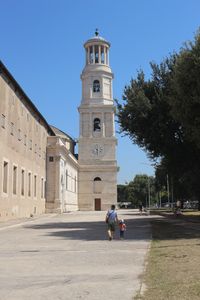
(97, 50)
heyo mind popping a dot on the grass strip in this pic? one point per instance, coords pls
(173, 267)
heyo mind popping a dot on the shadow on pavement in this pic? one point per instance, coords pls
(137, 229)
(174, 229)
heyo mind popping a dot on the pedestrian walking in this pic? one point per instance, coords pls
(140, 206)
(111, 220)
(122, 229)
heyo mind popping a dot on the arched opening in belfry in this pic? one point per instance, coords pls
(96, 86)
(97, 124)
(97, 179)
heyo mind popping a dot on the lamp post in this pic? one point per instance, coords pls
(149, 187)
(168, 190)
(149, 193)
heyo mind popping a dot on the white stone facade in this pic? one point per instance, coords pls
(23, 139)
(97, 142)
(30, 184)
(62, 176)
(39, 171)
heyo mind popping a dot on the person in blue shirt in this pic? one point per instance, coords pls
(111, 220)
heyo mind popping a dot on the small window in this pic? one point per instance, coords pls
(19, 135)
(22, 182)
(39, 151)
(12, 128)
(96, 86)
(29, 184)
(51, 158)
(35, 185)
(42, 188)
(14, 180)
(3, 118)
(25, 139)
(5, 176)
(97, 124)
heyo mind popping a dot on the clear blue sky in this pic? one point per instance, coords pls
(41, 43)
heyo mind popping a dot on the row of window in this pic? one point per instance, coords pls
(20, 137)
(67, 181)
(20, 180)
(12, 101)
(70, 182)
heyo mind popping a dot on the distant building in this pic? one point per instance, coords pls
(39, 171)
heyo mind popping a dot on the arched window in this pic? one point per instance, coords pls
(97, 179)
(97, 185)
(96, 86)
(97, 124)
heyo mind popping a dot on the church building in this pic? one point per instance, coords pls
(39, 170)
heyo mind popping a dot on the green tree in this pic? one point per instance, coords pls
(185, 99)
(155, 117)
(138, 190)
(121, 193)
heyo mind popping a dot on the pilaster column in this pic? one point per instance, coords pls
(113, 125)
(91, 125)
(99, 48)
(103, 124)
(88, 55)
(81, 125)
(93, 55)
(57, 202)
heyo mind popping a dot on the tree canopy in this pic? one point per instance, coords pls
(138, 190)
(162, 116)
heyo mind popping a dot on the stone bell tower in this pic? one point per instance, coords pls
(97, 141)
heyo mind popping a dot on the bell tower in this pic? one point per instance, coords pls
(97, 141)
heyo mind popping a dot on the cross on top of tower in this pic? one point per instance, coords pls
(97, 32)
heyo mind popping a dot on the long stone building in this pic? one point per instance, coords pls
(39, 171)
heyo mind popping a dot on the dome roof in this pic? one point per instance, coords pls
(97, 38)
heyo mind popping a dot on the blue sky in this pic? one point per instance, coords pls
(41, 43)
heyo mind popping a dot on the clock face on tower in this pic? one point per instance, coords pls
(97, 150)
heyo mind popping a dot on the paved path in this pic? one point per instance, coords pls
(68, 257)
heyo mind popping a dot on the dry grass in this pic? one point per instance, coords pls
(191, 213)
(173, 269)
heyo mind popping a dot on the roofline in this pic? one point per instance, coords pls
(67, 135)
(17, 87)
(96, 41)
